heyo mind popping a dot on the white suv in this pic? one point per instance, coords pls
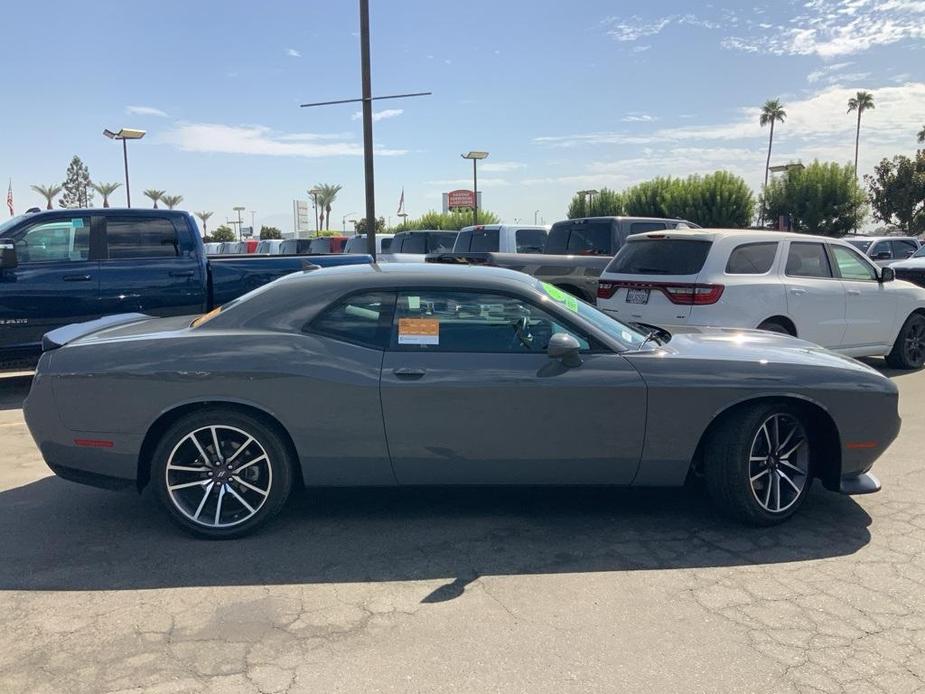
(816, 288)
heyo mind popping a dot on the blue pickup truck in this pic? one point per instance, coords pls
(66, 266)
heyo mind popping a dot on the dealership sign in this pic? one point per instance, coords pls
(460, 198)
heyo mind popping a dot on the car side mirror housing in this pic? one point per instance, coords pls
(887, 274)
(565, 348)
(7, 256)
(883, 255)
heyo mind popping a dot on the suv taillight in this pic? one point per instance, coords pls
(605, 289)
(684, 294)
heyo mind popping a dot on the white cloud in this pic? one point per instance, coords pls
(260, 140)
(500, 166)
(636, 117)
(825, 71)
(145, 111)
(293, 53)
(833, 28)
(627, 29)
(380, 115)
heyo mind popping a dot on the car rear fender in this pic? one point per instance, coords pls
(62, 336)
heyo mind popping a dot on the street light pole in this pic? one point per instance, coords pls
(128, 192)
(475, 156)
(125, 134)
(239, 210)
(367, 95)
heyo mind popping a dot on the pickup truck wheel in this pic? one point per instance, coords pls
(757, 464)
(909, 349)
(220, 473)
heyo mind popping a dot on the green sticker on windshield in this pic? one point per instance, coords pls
(571, 303)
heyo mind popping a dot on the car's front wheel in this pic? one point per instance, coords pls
(909, 349)
(221, 473)
(757, 463)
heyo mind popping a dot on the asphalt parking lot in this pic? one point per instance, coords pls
(472, 590)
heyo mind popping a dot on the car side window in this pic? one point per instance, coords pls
(808, 260)
(414, 243)
(362, 319)
(530, 240)
(141, 237)
(642, 227)
(751, 258)
(881, 251)
(65, 240)
(903, 248)
(850, 264)
(454, 321)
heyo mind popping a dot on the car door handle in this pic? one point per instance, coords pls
(854, 292)
(798, 292)
(179, 273)
(406, 372)
(76, 278)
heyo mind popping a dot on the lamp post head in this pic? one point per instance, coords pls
(475, 155)
(124, 134)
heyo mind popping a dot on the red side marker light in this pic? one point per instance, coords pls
(854, 445)
(93, 443)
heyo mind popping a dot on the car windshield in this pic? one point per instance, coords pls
(861, 244)
(10, 223)
(628, 337)
(660, 256)
(919, 253)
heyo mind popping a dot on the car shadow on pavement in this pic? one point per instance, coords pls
(61, 536)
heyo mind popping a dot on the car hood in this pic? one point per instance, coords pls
(909, 263)
(755, 346)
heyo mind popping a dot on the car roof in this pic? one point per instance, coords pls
(416, 274)
(862, 237)
(720, 234)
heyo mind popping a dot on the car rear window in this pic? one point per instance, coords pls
(530, 240)
(860, 244)
(581, 238)
(141, 237)
(478, 241)
(751, 258)
(661, 257)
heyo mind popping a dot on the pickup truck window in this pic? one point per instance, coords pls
(478, 241)
(580, 238)
(903, 248)
(141, 237)
(62, 241)
(530, 240)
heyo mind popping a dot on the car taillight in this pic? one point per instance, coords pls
(606, 290)
(693, 294)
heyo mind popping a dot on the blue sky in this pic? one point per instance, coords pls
(564, 95)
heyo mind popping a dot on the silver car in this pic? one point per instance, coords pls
(420, 374)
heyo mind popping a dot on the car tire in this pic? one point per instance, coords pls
(224, 496)
(775, 327)
(750, 470)
(909, 349)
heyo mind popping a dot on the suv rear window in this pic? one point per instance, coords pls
(660, 257)
(751, 258)
(581, 238)
(478, 241)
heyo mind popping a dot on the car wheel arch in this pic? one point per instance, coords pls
(168, 417)
(822, 428)
(784, 322)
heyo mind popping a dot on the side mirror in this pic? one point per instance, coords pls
(565, 348)
(7, 256)
(887, 274)
(883, 255)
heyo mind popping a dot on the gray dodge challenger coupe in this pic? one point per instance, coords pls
(444, 375)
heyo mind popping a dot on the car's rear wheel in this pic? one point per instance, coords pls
(221, 473)
(757, 463)
(775, 326)
(909, 349)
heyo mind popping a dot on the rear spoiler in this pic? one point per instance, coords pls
(62, 336)
(460, 258)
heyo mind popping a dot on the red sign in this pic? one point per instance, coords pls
(460, 198)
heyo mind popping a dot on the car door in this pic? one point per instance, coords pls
(55, 282)
(870, 306)
(469, 396)
(815, 297)
(148, 269)
(903, 248)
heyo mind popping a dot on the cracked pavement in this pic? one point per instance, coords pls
(561, 590)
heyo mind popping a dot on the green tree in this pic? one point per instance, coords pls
(106, 189)
(360, 226)
(607, 203)
(327, 194)
(649, 198)
(154, 195)
(772, 112)
(204, 218)
(223, 233)
(77, 190)
(48, 192)
(897, 192)
(270, 233)
(718, 200)
(172, 200)
(920, 135)
(860, 102)
(450, 221)
(823, 198)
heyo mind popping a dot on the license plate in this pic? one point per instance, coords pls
(637, 296)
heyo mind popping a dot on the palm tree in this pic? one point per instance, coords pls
(860, 102)
(48, 192)
(772, 112)
(921, 134)
(172, 200)
(105, 189)
(204, 217)
(154, 194)
(326, 195)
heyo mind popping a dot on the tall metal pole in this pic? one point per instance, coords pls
(367, 130)
(128, 193)
(475, 193)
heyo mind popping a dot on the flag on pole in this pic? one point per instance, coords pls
(9, 197)
(401, 201)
